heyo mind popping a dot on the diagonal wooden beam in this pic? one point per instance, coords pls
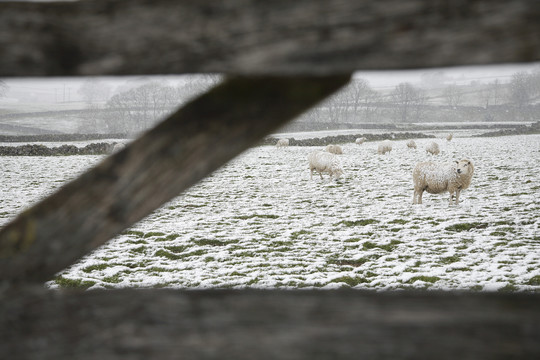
(111, 37)
(189, 145)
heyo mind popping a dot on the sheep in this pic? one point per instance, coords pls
(117, 147)
(322, 161)
(411, 144)
(282, 143)
(437, 178)
(360, 141)
(433, 148)
(334, 149)
(384, 147)
(449, 137)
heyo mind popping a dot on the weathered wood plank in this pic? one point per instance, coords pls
(189, 145)
(141, 324)
(102, 37)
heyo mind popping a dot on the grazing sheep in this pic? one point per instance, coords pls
(117, 147)
(433, 148)
(449, 137)
(411, 144)
(384, 147)
(334, 149)
(322, 161)
(438, 178)
(282, 143)
(360, 141)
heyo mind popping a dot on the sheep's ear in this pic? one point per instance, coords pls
(457, 162)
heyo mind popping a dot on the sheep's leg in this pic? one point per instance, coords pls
(417, 197)
(311, 173)
(451, 197)
(457, 197)
(320, 173)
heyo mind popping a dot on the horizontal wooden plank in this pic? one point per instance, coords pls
(111, 37)
(159, 324)
(189, 145)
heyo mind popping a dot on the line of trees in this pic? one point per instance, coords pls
(138, 105)
(519, 99)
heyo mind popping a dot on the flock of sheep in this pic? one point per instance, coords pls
(435, 178)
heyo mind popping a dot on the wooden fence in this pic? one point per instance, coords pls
(281, 58)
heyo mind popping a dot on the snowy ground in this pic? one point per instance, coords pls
(261, 222)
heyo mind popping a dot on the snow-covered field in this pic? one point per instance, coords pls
(261, 222)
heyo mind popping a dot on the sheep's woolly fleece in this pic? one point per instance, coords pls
(261, 222)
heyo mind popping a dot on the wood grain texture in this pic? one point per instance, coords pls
(142, 324)
(125, 187)
(113, 37)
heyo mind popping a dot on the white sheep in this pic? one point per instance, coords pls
(282, 143)
(433, 148)
(438, 178)
(384, 147)
(449, 137)
(117, 147)
(411, 144)
(324, 162)
(360, 141)
(334, 149)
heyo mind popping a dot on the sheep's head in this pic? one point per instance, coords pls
(337, 171)
(464, 167)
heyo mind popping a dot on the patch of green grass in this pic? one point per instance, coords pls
(390, 246)
(114, 279)
(139, 250)
(428, 279)
(362, 222)
(95, 267)
(467, 226)
(498, 233)
(296, 234)
(263, 216)
(368, 245)
(153, 233)
(73, 283)
(399, 221)
(168, 255)
(350, 281)
(214, 242)
(450, 259)
(534, 281)
(176, 249)
(508, 288)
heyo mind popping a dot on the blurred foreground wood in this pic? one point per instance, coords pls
(111, 37)
(160, 324)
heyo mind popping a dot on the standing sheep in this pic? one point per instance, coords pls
(433, 148)
(360, 141)
(334, 149)
(322, 161)
(282, 143)
(438, 178)
(384, 147)
(411, 144)
(449, 137)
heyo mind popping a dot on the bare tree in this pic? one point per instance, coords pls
(94, 90)
(453, 96)
(407, 101)
(522, 90)
(137, 109)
